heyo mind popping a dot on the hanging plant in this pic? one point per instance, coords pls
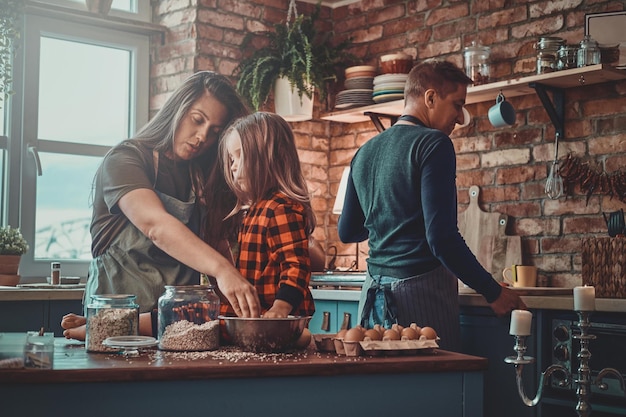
(295, 50)
(11, 14)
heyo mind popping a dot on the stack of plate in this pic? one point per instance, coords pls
(389, 87)
(359, 87)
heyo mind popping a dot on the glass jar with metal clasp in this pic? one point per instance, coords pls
(188, 318)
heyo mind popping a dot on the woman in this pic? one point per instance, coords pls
(147, 202)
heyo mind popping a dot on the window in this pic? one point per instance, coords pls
(83, 89)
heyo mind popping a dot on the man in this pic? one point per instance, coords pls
(402, 196)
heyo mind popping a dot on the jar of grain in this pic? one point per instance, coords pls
(110, 315)
(188, 318)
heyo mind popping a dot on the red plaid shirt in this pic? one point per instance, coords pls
(274, 254)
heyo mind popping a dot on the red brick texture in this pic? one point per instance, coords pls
(510, 165)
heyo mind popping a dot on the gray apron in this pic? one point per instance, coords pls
(429, 299)
(134, 265)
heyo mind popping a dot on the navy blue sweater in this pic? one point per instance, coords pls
(402, 197)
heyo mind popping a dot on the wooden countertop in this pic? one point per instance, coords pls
(73, 364)
(548, 302)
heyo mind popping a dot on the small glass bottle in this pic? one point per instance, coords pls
(110, 315)
(39, 350)
(476, 59)
(588, 52)
(188, 318)
(55, 273)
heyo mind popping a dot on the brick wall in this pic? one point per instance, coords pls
(510, 165)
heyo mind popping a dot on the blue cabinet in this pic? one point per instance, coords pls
(22, 316)
(484, 334)
(333, 314)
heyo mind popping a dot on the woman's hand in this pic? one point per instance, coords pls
(241, 295)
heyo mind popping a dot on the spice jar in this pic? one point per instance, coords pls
(476, 59)
(188, 318)
(589, 52)
(55, 273)
(547, 48)
(110, 315)
(567, 57)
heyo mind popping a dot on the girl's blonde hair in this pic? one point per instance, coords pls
(269, 162)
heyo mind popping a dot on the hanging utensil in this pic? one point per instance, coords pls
(554, 183)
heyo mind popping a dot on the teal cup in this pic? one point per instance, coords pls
(501, 114)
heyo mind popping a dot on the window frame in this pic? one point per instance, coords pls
(21, 173)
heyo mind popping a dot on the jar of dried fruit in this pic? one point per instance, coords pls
(188, 318)
(110, 315)
(476, 60)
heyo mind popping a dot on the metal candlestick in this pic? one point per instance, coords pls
(581, 381)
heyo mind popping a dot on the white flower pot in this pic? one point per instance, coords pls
(289, 105)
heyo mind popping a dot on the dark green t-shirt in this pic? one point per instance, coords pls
(127, 167)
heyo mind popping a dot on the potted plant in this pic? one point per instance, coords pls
(11, 12)
(294, 50)
(12, 247)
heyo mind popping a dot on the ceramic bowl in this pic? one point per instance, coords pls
(396, 63)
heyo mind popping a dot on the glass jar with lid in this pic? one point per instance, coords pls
(188, 318)
(588, 52)
(476, 60)
(110, 315)
(567, 57)
(547, 48)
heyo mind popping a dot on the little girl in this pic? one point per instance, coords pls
(262, 167)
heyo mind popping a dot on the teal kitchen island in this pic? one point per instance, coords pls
(232, 383)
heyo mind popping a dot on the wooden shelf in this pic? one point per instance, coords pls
(593, 74)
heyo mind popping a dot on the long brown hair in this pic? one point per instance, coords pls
(211, 189)
(269, 162)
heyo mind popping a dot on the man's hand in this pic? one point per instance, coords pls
(509, 300)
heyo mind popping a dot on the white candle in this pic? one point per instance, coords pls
(584, 298)
(520, 322)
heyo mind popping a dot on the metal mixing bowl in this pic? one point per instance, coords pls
(267, 335)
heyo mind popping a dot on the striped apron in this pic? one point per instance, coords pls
(429, 299)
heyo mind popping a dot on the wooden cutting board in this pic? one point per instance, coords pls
(485, 235)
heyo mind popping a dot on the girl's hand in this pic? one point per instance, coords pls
(72, 320)
(280, 309)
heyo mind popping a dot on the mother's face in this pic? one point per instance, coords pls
(199, 128)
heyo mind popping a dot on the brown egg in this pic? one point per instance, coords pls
(409, 333)
(397, 327)
(373, 334)
(415, 327)
(341, 333)
(391, 334)
(380, 329)
(355, 334)
(429, 332)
